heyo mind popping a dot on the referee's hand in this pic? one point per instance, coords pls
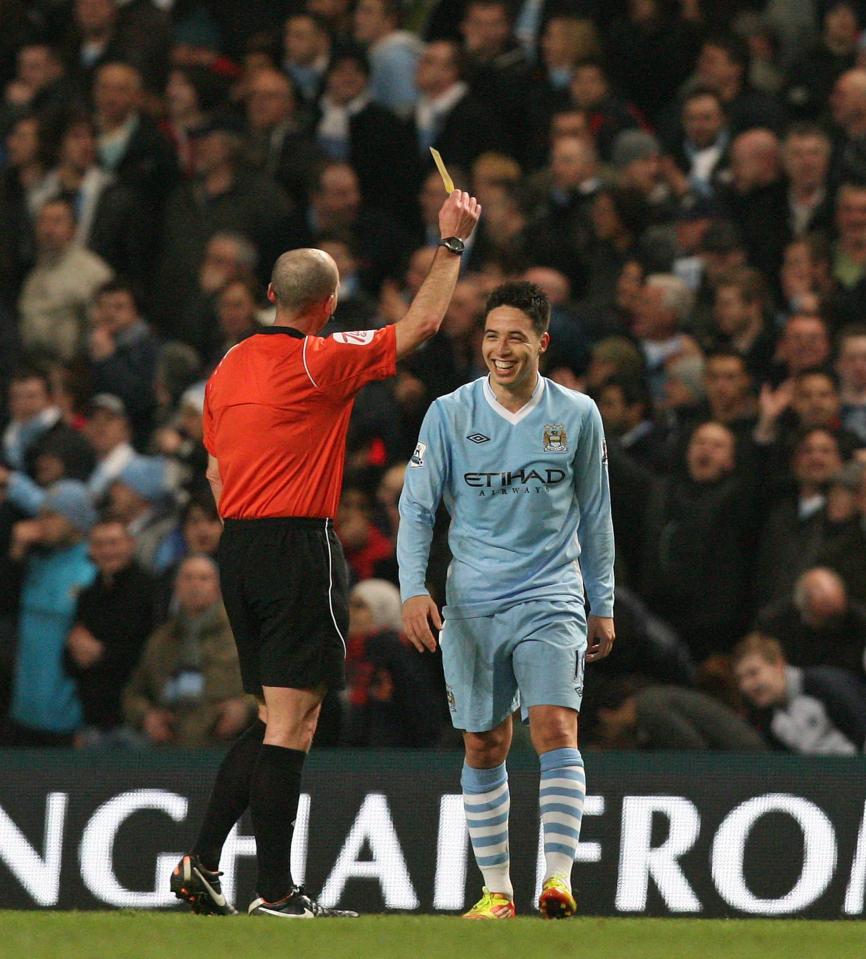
(459, 215)
(419, 612)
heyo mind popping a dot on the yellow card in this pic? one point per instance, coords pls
(440, 166)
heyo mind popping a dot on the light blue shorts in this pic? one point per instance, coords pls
(531, 654)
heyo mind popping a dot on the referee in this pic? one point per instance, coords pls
(275, 419)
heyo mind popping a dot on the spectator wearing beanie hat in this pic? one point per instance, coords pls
(142, 497)
(637, 160)
(52, 550)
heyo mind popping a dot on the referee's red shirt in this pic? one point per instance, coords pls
(276, 414)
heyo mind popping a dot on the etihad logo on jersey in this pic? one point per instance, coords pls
(514, 481)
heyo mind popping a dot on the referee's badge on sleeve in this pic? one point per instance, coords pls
(416, 460)
(355, 338)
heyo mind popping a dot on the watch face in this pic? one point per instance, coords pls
(454, 244)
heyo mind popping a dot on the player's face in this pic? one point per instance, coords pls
(511, 348)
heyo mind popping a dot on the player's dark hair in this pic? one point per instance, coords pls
(523, 296)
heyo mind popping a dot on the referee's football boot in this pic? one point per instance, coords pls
(200, 887)
(556, 900)
(492, 905)
(298, 905)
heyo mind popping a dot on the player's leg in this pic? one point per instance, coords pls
(301, 599)
(486, 803)
(548, 663)
(276, 783)
(230, 796)
(195, 879)
(481, 696)
(562, 791)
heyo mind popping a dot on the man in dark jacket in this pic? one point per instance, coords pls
(123, 353)
(380, 148)
(846, 554)
(113, 619)
(819, 625)
(696, 552)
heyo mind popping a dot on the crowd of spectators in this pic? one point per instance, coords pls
(686, 180)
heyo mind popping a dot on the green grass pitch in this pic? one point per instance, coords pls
(148, 935)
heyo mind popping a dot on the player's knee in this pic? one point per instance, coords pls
(554, 733)
(486, 750)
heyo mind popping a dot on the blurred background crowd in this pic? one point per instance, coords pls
(685, 179)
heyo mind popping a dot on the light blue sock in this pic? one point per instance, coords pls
(562, 791)
(486, 802)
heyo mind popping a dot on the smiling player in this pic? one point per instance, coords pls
(520, 464)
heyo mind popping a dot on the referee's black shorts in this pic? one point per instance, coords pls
(285, 589)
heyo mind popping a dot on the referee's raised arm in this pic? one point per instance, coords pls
(457, 219)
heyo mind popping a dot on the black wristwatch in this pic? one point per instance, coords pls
(453, 244)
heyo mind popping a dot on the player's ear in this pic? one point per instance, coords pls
(271, 294)
(545, 341)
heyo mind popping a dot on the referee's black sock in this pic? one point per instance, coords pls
(274, 794)
(230, 795)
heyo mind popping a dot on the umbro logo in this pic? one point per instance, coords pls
(478, 438)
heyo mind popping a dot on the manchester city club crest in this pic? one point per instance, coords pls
(555, 438)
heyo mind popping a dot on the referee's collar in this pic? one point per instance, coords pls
(289, 330)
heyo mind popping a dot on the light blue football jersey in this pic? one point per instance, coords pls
(527, 493)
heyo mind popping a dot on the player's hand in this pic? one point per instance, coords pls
(600, 636)
(418, 614)
(459, 214)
